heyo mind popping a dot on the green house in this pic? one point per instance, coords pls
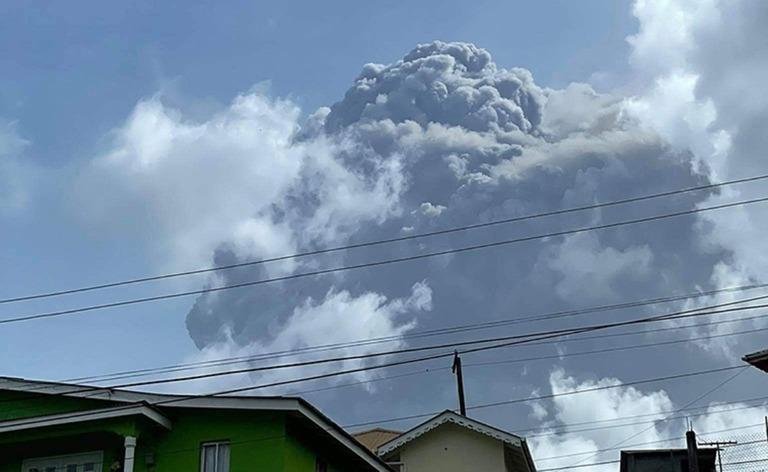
(54, 427)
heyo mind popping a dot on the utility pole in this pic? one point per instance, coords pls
(719, 446)
(693, 454)
(456, 369)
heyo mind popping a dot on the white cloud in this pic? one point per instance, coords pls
(188, 187)
(588, 269)
(428, 209)
(578, 443)
(705, 68)
(339, 317)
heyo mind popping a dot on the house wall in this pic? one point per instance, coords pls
(299, 457)
(13, 455)
(453, 448)
(257, 441)
(14, 405)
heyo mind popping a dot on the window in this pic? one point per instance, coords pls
(215, 457)
(87, 462)
(321, 466)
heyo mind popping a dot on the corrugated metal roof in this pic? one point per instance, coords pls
(373, 438)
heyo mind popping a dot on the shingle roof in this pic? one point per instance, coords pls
(373, 438)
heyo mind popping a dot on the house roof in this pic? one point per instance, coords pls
(83, 416)
(758, 359)
(296, 405)
(373, 438)
(706, 456)
(448, 416)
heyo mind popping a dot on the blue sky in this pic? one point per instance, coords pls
(72, 73)
(145, 138)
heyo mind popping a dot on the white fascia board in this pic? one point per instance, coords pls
(448, 417)
(352, 445)
(83, 416)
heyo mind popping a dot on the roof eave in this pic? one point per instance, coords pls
(758, 359)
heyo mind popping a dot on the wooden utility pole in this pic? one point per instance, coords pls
(693, 453)
(460, 381)
(719, 446)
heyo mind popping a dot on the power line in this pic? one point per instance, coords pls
(538, 358)
(374, 263)
(283, 436)
(741, 370)
(541, 459)
(545, 335)
(184, 398)
(634, 445)
(515, 339)
(417, 335)
(379, 242)
(555, 395)
(508, 341)
(565, 430)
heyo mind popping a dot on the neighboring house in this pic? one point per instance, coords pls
(451, 443)
(758, 359)
(52, 427)
(373, 438)
(666, 460)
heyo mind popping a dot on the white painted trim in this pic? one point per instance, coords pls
(448, 417)
(127, 396)
(130, 453)
(182, 401)
(82, 416)
(98, 464)
(351, 444)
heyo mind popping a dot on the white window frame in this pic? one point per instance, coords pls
(60, 462)
(217, 444)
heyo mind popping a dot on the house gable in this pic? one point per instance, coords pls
(251, 424)
(451, 448)
(493, 448)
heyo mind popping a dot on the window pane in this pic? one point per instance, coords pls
(222, 461)
(72, 468)
(209, 458)
(89, 466)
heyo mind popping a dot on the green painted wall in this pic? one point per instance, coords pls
(257, 441)
(298, 457)
(23, 405)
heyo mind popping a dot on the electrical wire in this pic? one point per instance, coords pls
(418, 335)
(534, 359)
(508, 341)
(692, 402)
(380, 242)
(378, 263)
(183, 398)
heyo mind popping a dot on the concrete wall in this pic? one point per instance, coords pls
(453, 448)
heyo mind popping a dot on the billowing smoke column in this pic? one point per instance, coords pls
(444, 138)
